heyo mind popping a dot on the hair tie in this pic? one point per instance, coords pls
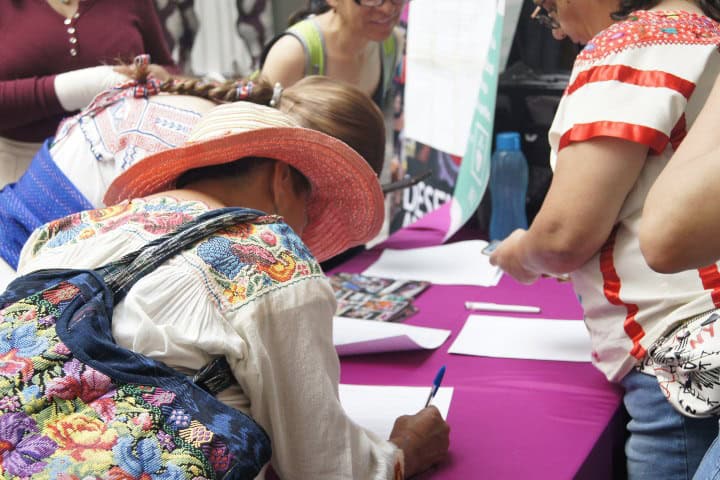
(277, 92)
(243, 90)
(142, 60)
(151, 86)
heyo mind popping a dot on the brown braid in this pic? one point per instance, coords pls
(219, 92)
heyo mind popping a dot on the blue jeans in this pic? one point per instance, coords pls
(663, 444)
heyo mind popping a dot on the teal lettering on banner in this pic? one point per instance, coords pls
(475, 167)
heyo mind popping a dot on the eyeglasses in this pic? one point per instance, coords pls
(377, 3)
(542, 15)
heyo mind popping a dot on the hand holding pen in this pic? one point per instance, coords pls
(424, 437)
(436, 384)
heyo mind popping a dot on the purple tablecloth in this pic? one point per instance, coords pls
(510, 419)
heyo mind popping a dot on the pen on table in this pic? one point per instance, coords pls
(435, 385)
(500, 307)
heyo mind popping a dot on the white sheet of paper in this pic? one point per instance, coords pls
(353, 336)
(447, 45)
(528, 338)
(460, 263)
(376, 407)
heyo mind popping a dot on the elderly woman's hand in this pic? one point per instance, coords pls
(424, 439)
(507, 256)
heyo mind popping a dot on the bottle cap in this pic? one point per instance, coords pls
(507, 141)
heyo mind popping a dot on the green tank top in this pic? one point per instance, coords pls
(311, 38)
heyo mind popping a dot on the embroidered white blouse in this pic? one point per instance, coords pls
(643, 80)
(253, 294)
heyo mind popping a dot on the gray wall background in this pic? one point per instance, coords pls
(282, 10)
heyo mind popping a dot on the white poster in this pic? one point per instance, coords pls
(447, 49)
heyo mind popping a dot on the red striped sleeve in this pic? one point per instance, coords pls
(654, 139)
(633, 76)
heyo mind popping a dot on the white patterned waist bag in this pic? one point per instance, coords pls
(686, 363)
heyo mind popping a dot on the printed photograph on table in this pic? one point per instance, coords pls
(377, 285)
(375, 298)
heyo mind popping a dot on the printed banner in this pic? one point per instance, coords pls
(457, 186)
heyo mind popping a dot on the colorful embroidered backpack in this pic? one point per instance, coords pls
(75, 405)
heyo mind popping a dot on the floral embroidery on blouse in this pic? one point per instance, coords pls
(646, 28)
(157, 216)
(241, 268)
(238, 264)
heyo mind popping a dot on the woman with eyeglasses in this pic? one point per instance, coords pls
(636, 88)
(349, 40)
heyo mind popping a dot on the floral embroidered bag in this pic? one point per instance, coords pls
(75, 405)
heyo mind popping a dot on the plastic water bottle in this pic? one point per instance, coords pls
(508, 186)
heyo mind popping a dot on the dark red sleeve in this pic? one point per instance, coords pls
(154, 39)
(27, 100)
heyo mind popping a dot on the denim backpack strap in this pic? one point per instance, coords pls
(122, 274)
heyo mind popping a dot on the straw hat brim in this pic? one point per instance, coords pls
(345, 208)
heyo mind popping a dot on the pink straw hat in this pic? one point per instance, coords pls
(345, 207)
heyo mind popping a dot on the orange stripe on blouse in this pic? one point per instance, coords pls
(580, 132)
(710, 277)
(611, 289)
(633, 76)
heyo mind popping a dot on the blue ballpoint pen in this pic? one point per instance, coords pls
(436, 384)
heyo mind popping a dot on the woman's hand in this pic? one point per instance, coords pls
(156, 71)
(424, 439)
(507, 256)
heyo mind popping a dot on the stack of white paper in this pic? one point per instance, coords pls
(460, 263)
(376, 408)
(353, 336)
(528, 338)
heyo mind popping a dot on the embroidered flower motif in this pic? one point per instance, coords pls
(86, 233)
(80, 381)
(105, 406)
(220, 457)
(83, 438)
(157, 223)
(58, 467)
(143, 420)
(9, 404)
(243, 230)
(166, 441)
(144, 462)
(234, 293)
(197, 434)
(291, 241)
(102, 214)
(64, 291)
(179, 418)
(282, 270)
(267, 237)
(29, 315)
(61, 349)
(159, 398)
(47, 321)
(10, 365)
(24, 340)
(30, 393)
(22, 449)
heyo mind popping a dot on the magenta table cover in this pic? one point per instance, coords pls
(510, 419)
